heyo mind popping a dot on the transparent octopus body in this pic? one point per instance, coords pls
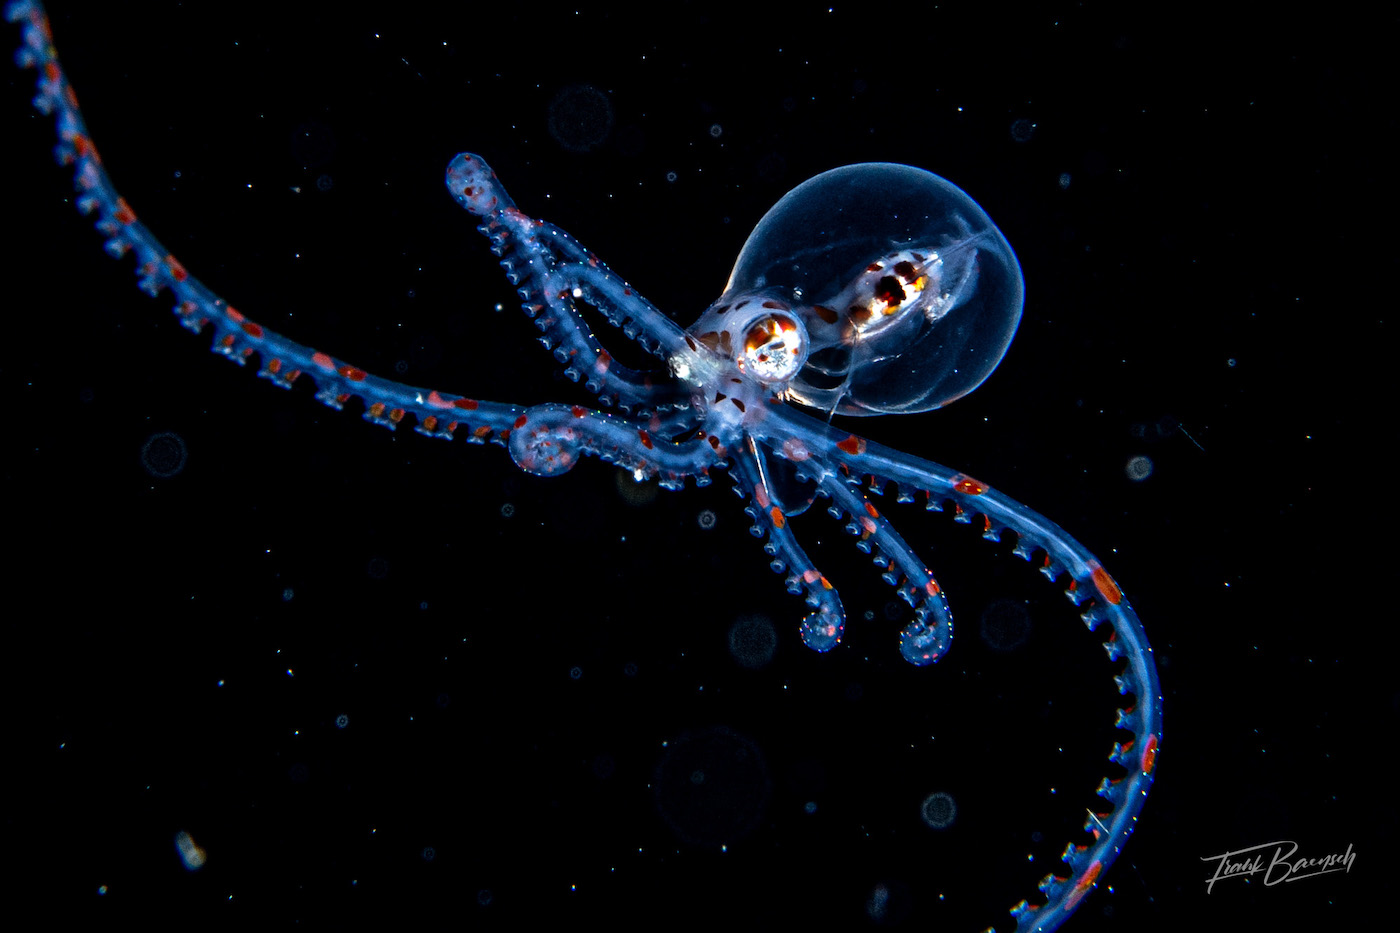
(871, 289)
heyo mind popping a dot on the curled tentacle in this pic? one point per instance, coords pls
(548, 440)
(928, 637)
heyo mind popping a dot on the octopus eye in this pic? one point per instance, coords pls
(775, 347)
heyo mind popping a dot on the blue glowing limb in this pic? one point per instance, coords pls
(928, 637)
(823, 627)
(550, 439)
(551, 272)
(235, 336)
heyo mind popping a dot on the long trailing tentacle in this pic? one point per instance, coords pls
(1090, 587)
(235, 336)
(552, 271)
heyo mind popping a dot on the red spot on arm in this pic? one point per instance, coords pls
(466, 404)
(779, 519)
(1149, 754)
(968, 486)
(852, 445)
(1084, 885)
(1105, 585)
(323, 360)
(646, 439)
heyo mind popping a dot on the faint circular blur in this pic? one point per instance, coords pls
(712, 787)
(1005, 625)
(938, 811)
(1139, 468)
(753, 640)
(164, 455)
(580, 117)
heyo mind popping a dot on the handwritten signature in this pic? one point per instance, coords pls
(1281, 866)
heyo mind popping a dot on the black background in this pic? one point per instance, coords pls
(543, 721)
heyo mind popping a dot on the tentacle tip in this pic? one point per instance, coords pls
(916, 656)
(821, 631)
(922, 644)
(474, 185)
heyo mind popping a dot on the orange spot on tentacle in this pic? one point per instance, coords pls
(1084, 885)
(968, 486)
(1149, 754)
(852, 445)
(1104, 584)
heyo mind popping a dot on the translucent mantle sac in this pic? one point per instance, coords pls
(816, 249)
